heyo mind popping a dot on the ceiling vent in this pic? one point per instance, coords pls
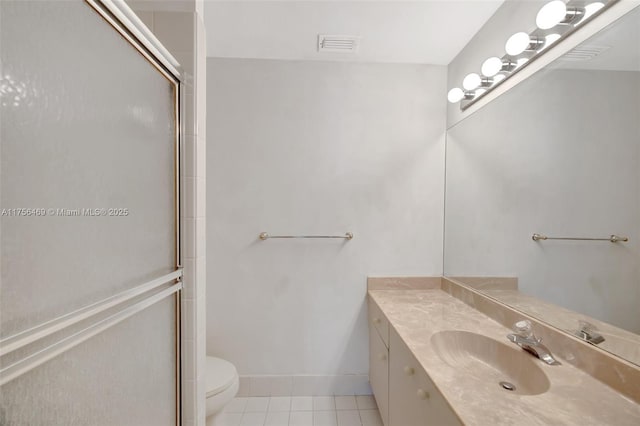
(583, 53)
(338, 43)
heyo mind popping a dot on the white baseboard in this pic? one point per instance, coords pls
(349, 384)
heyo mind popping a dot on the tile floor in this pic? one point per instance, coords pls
(300, 411)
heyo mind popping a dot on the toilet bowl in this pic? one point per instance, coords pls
(222, 384)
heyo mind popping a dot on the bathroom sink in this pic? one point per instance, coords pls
(496, 364)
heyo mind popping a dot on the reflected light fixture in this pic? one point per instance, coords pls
(498, 78)
(590, 9)
(550, 39)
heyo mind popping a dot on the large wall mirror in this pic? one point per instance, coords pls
(558, 155)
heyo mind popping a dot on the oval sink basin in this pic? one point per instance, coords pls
(509, 369)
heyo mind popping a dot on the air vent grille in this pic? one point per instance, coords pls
(338, 43)
(583, 53)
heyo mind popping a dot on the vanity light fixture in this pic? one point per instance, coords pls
(455, 95)
(494, 65)
(522, 48)
(551, 14)
(556, 13)
(521, 42)
(471, 81)
(485, 82)
(491, 66)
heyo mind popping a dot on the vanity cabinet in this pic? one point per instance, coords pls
(379, 372)
(379, 321)
(405, 394)
(414, 400)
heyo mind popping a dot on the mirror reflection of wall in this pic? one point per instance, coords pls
(558, 155)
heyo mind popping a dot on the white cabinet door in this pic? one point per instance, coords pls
(379, 372)
(378, 321)
(413, 398)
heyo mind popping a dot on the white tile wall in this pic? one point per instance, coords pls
(182, 33)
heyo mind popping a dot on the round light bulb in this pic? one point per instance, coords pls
(551, 14)
(551, 38)
(517, 43)
(590, 9)
(479, 92)
(498, 78)
(522, 61)
(491, 66)
(455, 95)
(471, 81)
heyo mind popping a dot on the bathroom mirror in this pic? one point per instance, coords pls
(558, 155)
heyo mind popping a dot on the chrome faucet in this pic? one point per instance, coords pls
(525, 338)
(588, 333)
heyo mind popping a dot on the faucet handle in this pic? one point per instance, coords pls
(586, 326)
(523, 328)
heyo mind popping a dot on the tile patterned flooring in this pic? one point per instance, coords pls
(300, 411)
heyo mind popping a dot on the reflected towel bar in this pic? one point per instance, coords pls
(265, 236)
(612, 238)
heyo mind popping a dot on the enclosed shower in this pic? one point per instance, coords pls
(90, 218)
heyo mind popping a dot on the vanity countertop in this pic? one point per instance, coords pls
(574, 397)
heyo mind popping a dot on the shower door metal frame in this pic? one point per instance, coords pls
(118, 14)
(121, 18)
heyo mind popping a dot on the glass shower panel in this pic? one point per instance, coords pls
(119, 377)
(88, 209)
(87, 185)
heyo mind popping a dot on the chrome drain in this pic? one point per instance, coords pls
(508, 386)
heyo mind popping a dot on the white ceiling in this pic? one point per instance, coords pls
(428, 32)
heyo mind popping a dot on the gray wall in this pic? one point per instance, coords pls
(316, 148)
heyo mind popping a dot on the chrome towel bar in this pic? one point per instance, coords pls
(612, 238)
(265, 236)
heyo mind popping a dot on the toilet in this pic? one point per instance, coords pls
(222, 384)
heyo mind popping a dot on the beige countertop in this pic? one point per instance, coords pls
(574, 397)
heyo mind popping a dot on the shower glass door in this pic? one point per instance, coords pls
(89, 231)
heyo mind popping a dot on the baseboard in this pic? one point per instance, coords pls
(348, 384)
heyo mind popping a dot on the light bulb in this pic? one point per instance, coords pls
(551, 14)
(491, 66)
(590, 9)
(517, 43)
(498, 78)
(522, 61)
(551, 38)
(471, 81)
(479, 92)
(455, 95)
